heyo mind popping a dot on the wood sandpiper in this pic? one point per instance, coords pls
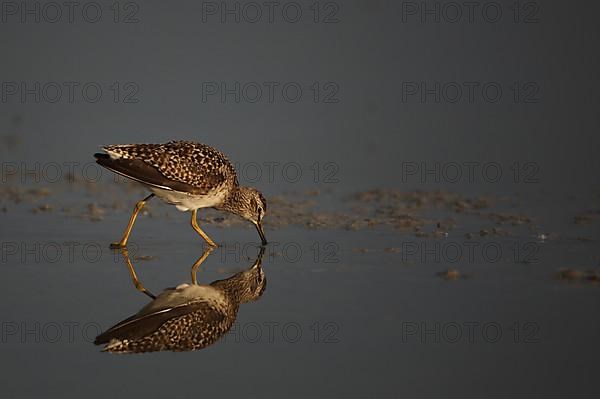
(188, 175)
(188, 317)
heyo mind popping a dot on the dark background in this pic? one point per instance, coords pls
(370, 51)
(371, 125)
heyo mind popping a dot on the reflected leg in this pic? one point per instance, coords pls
(199, 262)
(134, 276)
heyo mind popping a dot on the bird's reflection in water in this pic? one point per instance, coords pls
(188, 317)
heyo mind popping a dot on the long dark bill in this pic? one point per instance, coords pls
(261, 233)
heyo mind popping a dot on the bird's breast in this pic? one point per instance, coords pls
(187, 202)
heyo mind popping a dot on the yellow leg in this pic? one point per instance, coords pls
(196, 265)
(134, 276)
(199, 230)
(136, 210)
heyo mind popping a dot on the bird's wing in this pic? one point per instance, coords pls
(176, 165)
(139, 171)
(139, 326)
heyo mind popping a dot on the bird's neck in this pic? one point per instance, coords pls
(232, 289)
(232, 201)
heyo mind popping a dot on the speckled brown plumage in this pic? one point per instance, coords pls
(198, 165)
(195, 330)
(189, 317)
(188, 175)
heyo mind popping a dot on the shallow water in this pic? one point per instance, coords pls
(368, 303)
(419, 246)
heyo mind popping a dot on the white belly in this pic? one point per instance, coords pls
(187, 202)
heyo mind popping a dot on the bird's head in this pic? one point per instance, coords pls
(245, 286)
(253, 207)
(256, 283)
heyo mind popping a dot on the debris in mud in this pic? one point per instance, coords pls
(145, 257)
(450, 274)
(70, 177)
(94, 213)
(441, 230)
(463, 205)
(43, 208)
(573, 275)
(360, 250)
(582, 219)
(39, 192)
(509, 218)
(391, 250)
(432, 234)
(11, 141)
(587, 217)
(593, 276)
(405, 221)
(495, 232)
(18, 194)
(543, 237)
(413, 200)
(569, 274)
(425, 214)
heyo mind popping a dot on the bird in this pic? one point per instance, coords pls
(186, 174)
(187, 317)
